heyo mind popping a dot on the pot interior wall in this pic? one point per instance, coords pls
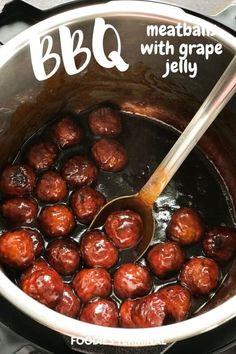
(26, 104)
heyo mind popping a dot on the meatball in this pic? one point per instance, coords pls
(67, 133)
(56, 221)
(42, 155)
(38, 244)
(98, 250)
(185, 227)
(200, 275)
(165, 259)
(63, 256)
(16, 248)
(69, 304)
(79, 171)
(124, 228)
(17, 180)
(101, 312)
(177, 299)
(20, 210)
(219, 243)
(93, 282)
(51, 187)
(105, 121)
(125, 313)
(152, 310)
(44, 285)
(86, 203)
(109, 155)
(149, 311)
(132, 280)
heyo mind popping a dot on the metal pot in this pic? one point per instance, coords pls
(27, 103)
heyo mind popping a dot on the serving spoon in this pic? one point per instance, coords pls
(142, 202)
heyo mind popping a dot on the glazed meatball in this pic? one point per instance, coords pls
(148, 311)
(69, 304)
(16, 248)
(93, 282)
(124, 228)
(109, 155)
(67, 133)
(63, 256)
(38, 244)
(79, 171)
(132, 280)
(152, 310)
(17, 180)
(200, 275)
(185, 227)
(101, 312)
(44, 285)
(86, 203)
(219, 243)
(42, 155)
(20, 210)
(105, 121)
(125, 313)
(51, 188)
(177, 299)
(165, 259)
(98, 250)
(57, 221)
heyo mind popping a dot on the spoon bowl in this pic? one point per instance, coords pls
(134, 203)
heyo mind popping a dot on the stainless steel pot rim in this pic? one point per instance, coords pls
(117, 8)
(72, 327)
(116, 336)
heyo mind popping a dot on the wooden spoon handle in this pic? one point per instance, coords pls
(224, 89)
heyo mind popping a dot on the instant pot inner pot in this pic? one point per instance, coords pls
(197, 184)
(206, 179)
